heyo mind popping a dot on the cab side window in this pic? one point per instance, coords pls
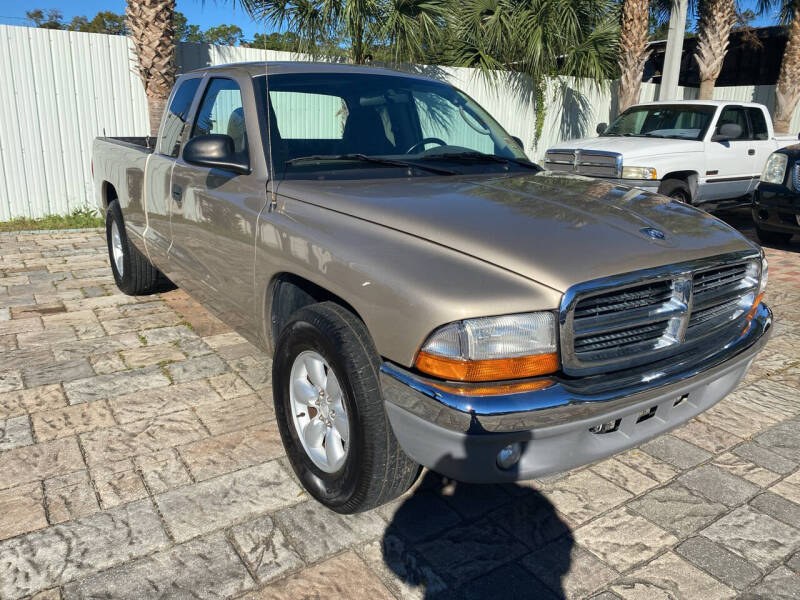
(737, 115)
(758, 123)
(221, 112)
(175, 118)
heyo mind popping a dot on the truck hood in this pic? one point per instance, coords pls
(555, 229)
(633, 147)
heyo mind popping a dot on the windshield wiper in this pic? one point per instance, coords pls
(370, 159)
(479, 156)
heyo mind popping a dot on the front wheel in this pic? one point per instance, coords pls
(329, 408)
(677, 189)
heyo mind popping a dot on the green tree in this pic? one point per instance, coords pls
(287, 42)
(224, 35)
(50, 19)
(103, 22)
(184, 31)
(357, 27)
(537, 39)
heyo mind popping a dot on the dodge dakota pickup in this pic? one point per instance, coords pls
(693, 151)
(429, 296)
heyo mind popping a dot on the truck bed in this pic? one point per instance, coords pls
(147, 143)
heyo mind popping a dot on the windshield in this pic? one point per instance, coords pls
(679, 121)
(339, 124)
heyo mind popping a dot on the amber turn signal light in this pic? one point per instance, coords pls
(464, 389)
(752, 313)
(498, 369)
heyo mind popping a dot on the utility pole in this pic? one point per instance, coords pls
(672, 57)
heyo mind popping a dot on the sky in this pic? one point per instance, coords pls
(203, 13)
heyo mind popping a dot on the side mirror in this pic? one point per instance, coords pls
(728, 131)
(215, 151)
(519, 141)
(601, 128)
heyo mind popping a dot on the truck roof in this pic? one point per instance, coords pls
(253, 69)
(700, 102)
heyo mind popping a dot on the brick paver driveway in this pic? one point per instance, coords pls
(139, 458)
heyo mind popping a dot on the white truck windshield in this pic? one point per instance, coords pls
(680, 121)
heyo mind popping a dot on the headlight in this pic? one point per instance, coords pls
(762, 286)
(775, 169)
(639, 173)
(492, 348)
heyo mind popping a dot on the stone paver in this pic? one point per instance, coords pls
(139, 458)
(15, 432)
(623, 539)
(755, 536)
(670, 577)
(730, 568)
(197, 509)
(65, 552)
(21, 510)
(202, 568)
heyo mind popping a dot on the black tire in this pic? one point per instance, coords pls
(772, 237)
(375, 469)
(677, 189)
(138, 277)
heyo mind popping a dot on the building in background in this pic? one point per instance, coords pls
(753, 58)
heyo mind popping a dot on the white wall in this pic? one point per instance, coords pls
(61, 89)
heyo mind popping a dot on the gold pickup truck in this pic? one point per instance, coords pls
(429, 295)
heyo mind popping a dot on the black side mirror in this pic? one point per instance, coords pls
(519, 141)
(215, 151)
(727, 132)
(601, 128)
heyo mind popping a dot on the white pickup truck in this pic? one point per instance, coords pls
(691, 150)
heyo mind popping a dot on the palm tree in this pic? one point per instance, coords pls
(412, 28)
(787, 90)
(532, 40)
(406, 28)
(716, 19)
(633, 38)
(151, 28)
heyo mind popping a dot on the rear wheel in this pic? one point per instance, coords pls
(677, 189)
(133, 273)
(772, 237)
(329, 408)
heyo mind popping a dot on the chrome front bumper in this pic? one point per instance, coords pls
(460, 435)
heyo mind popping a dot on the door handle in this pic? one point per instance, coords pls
(177, 194)
(751, 151)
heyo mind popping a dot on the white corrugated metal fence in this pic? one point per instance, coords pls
(61, 89)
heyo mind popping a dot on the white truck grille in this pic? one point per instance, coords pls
(593, 163)
(620, 322)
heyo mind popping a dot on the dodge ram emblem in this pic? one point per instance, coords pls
(651, 232)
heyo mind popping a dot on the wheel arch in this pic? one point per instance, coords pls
(108, 194)
(690, 177)
(286, 294)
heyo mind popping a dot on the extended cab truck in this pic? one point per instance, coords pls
(430, 297)
(694, 150)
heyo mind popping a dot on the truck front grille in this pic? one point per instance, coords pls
(594, 163)
(620, 322)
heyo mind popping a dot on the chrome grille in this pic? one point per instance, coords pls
(593, 163)
(624, 321)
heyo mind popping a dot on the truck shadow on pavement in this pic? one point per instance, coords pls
(457, 540)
